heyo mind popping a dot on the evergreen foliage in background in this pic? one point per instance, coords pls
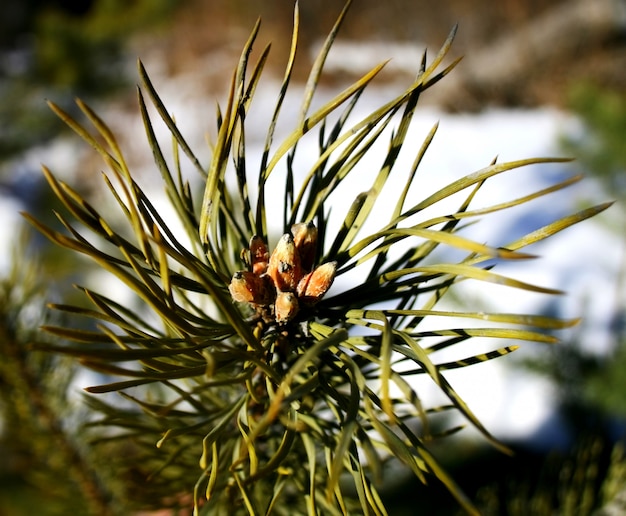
(602, 149)
(63, 53)
(589, 477)
(587, 380)
(246, 384)
(45, 468)
(602, 152)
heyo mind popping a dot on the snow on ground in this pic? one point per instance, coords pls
(582, 260)
(10, 208)
(358, 57)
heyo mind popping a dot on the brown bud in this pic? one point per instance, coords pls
(314, 285)
(305, 240)
(248, 287)
(284, 265)
(285, 307)
(259, 255)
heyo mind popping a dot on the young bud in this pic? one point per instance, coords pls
(250, 288)
(305, 240)
(284, 265)
(314, 285)
(259, 255)
(285, 307)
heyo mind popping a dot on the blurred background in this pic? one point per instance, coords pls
(543, 75)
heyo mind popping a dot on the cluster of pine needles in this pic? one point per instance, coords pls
(231, 407)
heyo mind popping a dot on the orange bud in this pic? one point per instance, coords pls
(248, 287)
(285, 307)
(284, 265)
(305, 240)
(314, 285)
(259, 255)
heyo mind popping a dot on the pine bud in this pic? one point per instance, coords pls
(284, 265)
(285, 307)
(314, 285)
(305, 240)
(250, 288)
(259, 255)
